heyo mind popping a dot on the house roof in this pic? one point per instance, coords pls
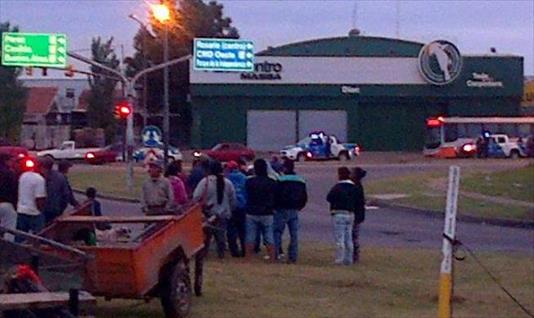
(40, 99)
(83, 100)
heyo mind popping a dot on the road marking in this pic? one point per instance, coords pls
(371, 207)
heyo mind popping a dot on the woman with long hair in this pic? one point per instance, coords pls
(217, 195)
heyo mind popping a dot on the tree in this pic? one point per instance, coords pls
(189, 19)
(12, 97)
(102, 98)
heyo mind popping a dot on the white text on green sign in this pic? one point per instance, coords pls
(223, 55)
(34, 49)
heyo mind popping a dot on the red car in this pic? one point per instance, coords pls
(229, 152)
(111, 153)
(18, 152)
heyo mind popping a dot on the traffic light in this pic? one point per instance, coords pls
(123, 109)
(69, 72)
(29, 71)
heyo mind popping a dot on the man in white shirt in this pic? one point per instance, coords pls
(32, 195)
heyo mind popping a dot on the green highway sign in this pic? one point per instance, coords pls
(34, 49)
(223, 55)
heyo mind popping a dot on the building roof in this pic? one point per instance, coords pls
(40, 99)
(83, 100)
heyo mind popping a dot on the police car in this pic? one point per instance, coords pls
(320, 146)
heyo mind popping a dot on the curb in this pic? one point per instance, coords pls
(462, 218)
(108, 197)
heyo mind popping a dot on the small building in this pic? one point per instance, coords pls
(45, 124)
(375, 91)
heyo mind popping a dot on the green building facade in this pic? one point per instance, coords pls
(368, 90)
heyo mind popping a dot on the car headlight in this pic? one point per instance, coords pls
(197, 154)
(90, 156)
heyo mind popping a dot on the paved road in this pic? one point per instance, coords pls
(388, 227)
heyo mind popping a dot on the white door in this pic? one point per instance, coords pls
(332, 122)
(270, 130)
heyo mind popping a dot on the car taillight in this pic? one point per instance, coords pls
(29, 164)
(21, 155)
(90, 155)
(468, 148)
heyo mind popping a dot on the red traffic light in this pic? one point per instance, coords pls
(123, 109)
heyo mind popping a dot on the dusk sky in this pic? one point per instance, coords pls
(474, 26)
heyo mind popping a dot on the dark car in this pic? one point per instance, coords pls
(111, 153)
(18, 152)
(230, 151)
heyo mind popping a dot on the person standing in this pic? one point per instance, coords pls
(291, 197)
(157, 195)
(218, 197)
(261, 200)
(199, 171)
(237, 223)
(178, 187)
(8, 195)
(58, 192)
(359, 214)
(342, 207)
(63, 167)
(31, 201)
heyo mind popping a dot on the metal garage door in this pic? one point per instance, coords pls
(270, 130)
(331, 122)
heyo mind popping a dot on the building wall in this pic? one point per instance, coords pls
(386, 105)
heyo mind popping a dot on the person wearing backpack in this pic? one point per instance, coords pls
(359, 214)
(237, 222)
(291, 197)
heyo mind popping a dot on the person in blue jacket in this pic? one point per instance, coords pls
(237, 223)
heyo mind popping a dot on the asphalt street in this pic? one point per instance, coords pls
(384, 226)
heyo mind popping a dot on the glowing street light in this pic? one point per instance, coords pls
(161, 12)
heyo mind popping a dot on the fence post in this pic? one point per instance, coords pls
(446, 279)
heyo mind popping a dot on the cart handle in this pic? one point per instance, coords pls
(41, 239)
(117, 219)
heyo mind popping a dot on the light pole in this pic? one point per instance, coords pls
(162, 14)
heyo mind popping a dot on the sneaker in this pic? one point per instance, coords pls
(266, 257)
(281, 256)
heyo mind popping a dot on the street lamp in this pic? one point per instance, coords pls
(145, 82)
(162, 13)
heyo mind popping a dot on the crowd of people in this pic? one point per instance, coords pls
(33, 197)
(249, 208)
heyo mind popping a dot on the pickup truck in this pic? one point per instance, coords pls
(314, 147)
(67, 150)
(500, 145)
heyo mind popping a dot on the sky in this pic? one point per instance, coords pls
(474, 26)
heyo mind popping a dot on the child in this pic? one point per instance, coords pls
(96, 208)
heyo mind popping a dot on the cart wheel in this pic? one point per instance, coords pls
(199, 273)
(176, 292)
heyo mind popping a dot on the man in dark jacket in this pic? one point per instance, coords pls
(58, 191)
(359, 214)
(261, 200)
(343, 202)
(291, 197)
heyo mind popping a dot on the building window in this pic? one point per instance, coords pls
(69, 93)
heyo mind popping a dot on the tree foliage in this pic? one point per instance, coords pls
(189, 19)
(101, 100)
(12, 97)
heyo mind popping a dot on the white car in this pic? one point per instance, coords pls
(67, 150)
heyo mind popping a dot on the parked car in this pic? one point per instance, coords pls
(502, 146)
(111, 153)
(67, 150)
(15, 151)
(314, 147)
(229, 152)
(174, 153)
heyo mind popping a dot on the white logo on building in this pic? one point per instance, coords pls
(440, 62)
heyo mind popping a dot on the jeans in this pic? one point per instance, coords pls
(356, 242)
(8, 219)
(343, 236)
(262, 222)
(237, 230)
(218, 232)
(291, 218)
(29, 223)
